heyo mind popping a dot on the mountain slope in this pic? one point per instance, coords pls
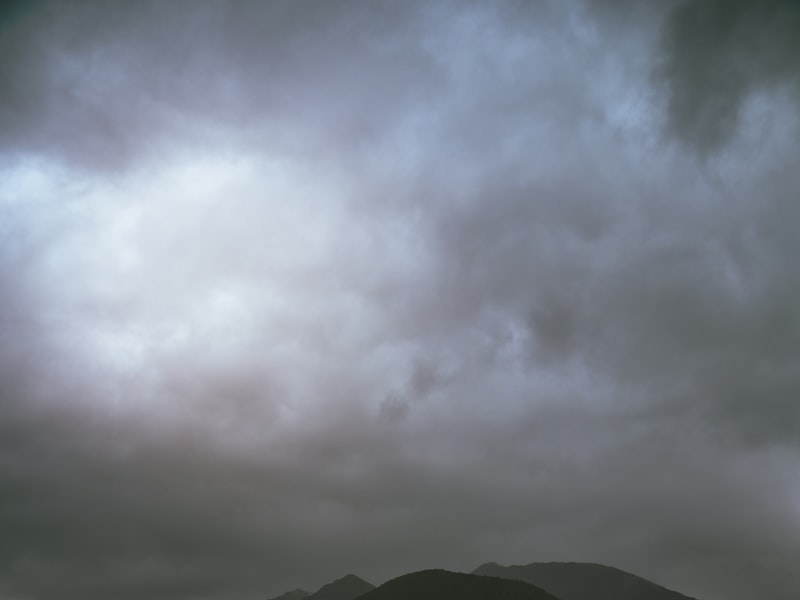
(583, 581)
(293, 595)
(346, 588)
(444, 585)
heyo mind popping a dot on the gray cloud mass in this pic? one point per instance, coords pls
(296, 289)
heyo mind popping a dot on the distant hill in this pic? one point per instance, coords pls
(293, 595)
(348, 587)
(583, 581)
(444, 585)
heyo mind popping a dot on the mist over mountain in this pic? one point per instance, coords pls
(583, 581)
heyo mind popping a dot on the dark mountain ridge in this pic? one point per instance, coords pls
(490, 581)
(347, 588)
(438, 584)
(583, 581)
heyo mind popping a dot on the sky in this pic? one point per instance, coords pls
(294, 289)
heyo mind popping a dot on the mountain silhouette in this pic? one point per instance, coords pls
(293, 595)
(346, 588)
(445, 585)
(583, 581)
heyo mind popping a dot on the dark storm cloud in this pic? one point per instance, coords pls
(102, 84)
(717, 56)
(292, 290)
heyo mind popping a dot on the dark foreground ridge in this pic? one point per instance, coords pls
(583, 581)
(445, 585)
(490, 581)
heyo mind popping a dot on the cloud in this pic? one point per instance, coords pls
(717, 57)
(289, 293)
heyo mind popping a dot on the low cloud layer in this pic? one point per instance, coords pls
(291, 290)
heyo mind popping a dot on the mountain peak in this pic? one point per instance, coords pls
(345, 588)
(438, 584)
(351, 578)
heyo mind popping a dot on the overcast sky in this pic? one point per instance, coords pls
(292, 289)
